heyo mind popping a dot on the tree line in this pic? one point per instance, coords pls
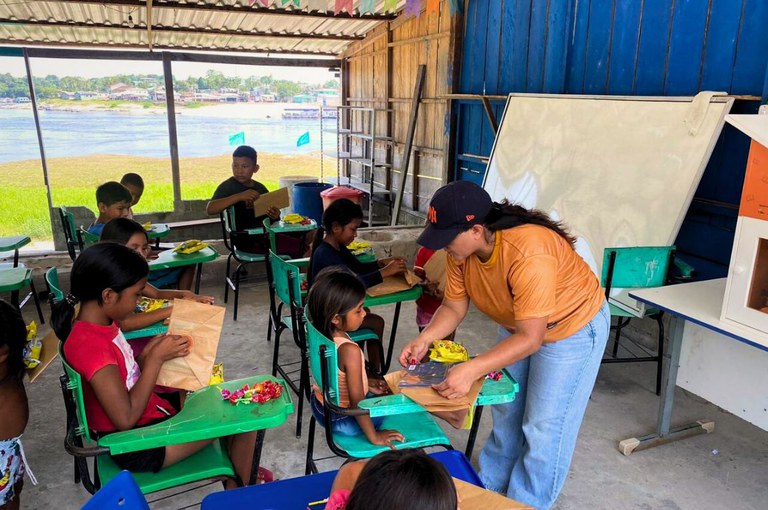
(51, 86)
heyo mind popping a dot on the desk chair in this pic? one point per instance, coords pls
(285, 285)
(71, 233)
(243, 258)
(13, 280)
(635, 268)
(88, 238)
(121, 493)
(55, 294)
(210, 462)
(419, 428)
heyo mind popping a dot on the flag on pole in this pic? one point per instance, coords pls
(303, 139)
(237, 138)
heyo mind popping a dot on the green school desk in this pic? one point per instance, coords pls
(206, 416)
(397, 298)
(169, 259)
(13, 243)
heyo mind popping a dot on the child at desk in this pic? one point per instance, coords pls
(335, 307)
(393, 479)
(114, 201)
(107, 280)
(13, 407)
(241, 191)
(432, 297)
(131, 234)
(135, 185)
(341, 220)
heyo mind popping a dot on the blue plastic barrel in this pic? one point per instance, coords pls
(307, 200)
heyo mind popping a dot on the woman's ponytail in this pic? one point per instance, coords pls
(62, 317)
(505, 215)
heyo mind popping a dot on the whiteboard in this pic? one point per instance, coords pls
(618, 171)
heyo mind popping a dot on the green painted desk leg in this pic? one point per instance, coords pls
(257, 456)
(664, 434)
(392, 337)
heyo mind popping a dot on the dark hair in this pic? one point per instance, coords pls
(132, 179)
(13, 333)
(505, 215)
(335, 291)
(102, 266)
(112, 192)
(341, 212)
(120, 230)
(246, 151)
(401, 479)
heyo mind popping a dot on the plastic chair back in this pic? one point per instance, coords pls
(88, 238)
(75, 386)
(287, 280)
(54, 287)
(636, 267)
(267, 223)
(121, 493)
(71, 232)
(328, 356)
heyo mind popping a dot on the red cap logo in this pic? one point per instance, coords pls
(432, 215)
(470, 217)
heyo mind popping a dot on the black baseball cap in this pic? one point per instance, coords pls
(453, 209)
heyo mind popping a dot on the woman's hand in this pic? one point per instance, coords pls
(167, 347)
(458, 381)
(414, 351)
(385, 437)
(396, 266)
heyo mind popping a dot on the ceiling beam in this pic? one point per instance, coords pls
(182, 30)
(240, 7)
(114, 55)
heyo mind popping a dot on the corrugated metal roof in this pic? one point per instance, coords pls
(223, 25)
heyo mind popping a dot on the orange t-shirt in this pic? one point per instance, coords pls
(532, 273)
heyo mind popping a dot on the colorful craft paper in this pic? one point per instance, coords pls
(367, 6)
(413, 8)
(343, 5)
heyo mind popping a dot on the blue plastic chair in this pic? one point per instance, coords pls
(121, 493)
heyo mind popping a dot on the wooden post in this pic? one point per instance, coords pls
(41, 145)
(409, 141)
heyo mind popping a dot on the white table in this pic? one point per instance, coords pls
(699, 303)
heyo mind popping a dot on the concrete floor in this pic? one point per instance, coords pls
(726, 469)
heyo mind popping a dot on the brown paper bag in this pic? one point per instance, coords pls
(454, 411)
(393, 284)
(203, 323)
(477, 498)
(277, 198)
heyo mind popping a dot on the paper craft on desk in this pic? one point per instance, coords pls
(477, 498)
(393, 284)
(277, 198)
(48, 353)
(203, 323)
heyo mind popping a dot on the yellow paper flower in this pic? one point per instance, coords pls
(446, 351)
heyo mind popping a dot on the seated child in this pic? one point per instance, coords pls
(13, 406)
(335, 307)
(133, 235)
(114, 201)
(128, 232)
(394, 479)
(241, 191)
(340, 223)
(135, 184)
(432, 297)
(107, 280)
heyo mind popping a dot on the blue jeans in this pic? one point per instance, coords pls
(529, 451)
(341, 424)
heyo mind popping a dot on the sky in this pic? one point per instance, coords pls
(181, 70)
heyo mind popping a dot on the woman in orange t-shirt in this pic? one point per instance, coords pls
(519, 268)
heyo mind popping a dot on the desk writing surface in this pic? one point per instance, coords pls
(700, 303)
(168, 259)
(13, 242)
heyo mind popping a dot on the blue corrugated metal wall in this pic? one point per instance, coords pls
(622, 47)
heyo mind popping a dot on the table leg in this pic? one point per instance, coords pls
(392, 336)
(16, 258)
(664, 434)
(473, 431)
(198, 273)
(256, 456)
